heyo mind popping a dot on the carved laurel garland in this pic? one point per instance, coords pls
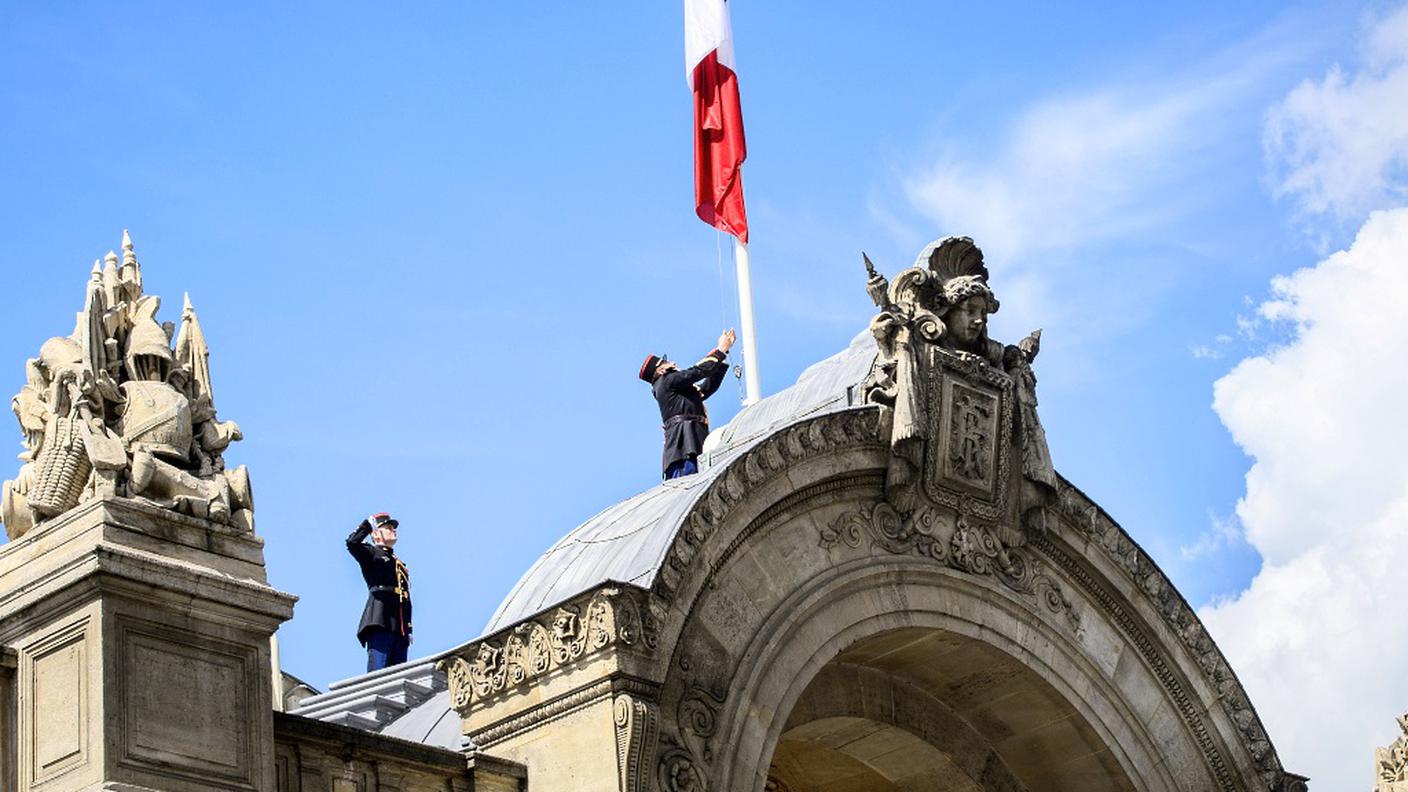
(1086, 519)
(515, 657)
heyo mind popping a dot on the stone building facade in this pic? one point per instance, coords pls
(877, 581)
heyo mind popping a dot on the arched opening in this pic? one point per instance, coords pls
(925, 709)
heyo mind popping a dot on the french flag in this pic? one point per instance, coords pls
(719, 149)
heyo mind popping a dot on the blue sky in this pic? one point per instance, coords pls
(430, 245)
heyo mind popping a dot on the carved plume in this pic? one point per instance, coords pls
(953, 257)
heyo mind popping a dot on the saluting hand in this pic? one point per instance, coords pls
(726, 339)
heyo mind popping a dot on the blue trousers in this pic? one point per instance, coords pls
(683, 467)
(385, 648)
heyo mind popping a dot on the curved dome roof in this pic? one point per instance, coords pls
(433, 722)
(627, 542)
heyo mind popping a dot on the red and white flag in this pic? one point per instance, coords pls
(719, 149)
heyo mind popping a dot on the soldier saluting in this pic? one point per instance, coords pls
(385, 628)
(681, 395)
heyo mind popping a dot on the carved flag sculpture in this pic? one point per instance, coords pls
(111, 412)
(719, 149)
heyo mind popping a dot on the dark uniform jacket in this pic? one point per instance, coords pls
(681, 396)
(388, 586)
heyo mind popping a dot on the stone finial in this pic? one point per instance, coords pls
(131, 269)
(165, 445)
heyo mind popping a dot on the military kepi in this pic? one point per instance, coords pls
(383, 520)
(647, 369)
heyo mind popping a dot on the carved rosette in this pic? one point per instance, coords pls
(514, 658)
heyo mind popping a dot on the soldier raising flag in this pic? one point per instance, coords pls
(681, 395)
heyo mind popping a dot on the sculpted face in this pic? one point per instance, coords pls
(966, 320)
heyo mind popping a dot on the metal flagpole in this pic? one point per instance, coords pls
(745, 319)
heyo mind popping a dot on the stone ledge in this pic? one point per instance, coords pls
(358, 743)
(202, 548)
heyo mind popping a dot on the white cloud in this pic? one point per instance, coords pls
(1071, 170)
(1118, 160)
(1339, 145)
(1223, 533)
(1318, 637)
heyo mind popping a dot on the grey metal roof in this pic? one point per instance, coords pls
(432, 722)
(627, 542)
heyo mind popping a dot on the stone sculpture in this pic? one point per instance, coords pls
(113, 411)
(967, 447)
(1391, 763)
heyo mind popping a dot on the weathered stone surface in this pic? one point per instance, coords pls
(134, 665)
(895, 596)
(1391, 763)
(113, 410)
(315, 756)
(894, 592)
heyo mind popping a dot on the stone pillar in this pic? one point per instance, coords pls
(141, 645)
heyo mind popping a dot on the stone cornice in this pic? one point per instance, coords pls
(357, 743)
(562, 706)
(494, 668)
(1085, 519)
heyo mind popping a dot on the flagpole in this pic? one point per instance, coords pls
(745, 317)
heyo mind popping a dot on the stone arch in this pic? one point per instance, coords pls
(1094, 620)
(853, 604)
(786, 558)
(893, 727)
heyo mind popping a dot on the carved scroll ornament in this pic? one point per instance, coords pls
(516, 657)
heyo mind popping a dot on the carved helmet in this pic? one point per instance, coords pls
(148, 351)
